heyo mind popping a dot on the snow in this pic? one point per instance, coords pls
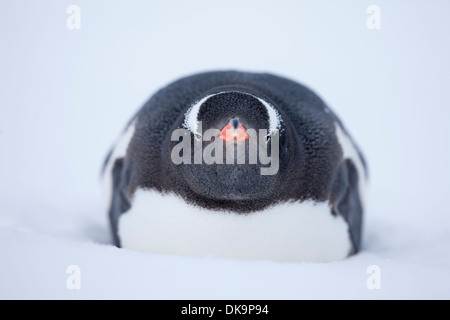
(34, 266)
(67, 94)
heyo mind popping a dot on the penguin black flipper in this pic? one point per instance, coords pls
(346, 201)
(120, 202)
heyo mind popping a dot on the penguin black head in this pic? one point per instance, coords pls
(234, 150)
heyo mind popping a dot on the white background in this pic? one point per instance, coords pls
(65, 95)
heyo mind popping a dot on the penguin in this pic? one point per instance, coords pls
(170, 188)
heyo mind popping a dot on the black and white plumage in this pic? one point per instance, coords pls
(310, 210)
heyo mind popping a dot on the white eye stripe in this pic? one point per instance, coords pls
(274, 117)
(191, 115)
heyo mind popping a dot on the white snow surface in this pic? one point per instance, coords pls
(67, 94)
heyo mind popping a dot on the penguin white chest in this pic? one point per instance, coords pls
(295, 231)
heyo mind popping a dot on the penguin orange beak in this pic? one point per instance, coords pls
(233, 130)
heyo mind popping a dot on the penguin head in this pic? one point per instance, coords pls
(236, 137)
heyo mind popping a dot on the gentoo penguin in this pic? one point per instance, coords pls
(170, 188)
